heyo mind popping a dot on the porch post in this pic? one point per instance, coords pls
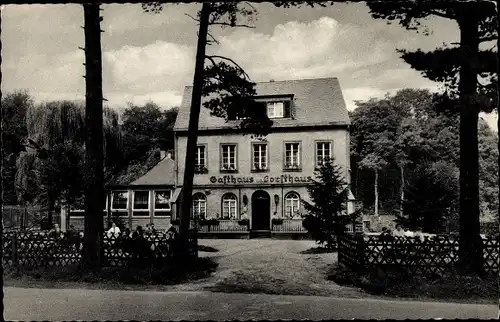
(130, 203)
(151, 206)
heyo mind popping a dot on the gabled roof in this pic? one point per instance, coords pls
(316, 102)
(163, 173)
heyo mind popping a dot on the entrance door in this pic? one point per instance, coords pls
(261, 210)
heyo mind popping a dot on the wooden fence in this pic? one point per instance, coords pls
(37, 249)
(438, 254)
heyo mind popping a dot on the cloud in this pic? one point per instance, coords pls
(161, 66)
(318, 48)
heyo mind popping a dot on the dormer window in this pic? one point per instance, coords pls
(275, 110)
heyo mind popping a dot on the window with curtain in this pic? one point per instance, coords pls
(323, 152)
(228, 157)
(259, 156)
(199, 205)
(229, 206)
(292, 205)
(292, 156)
(141, 200)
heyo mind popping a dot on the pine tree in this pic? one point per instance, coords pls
(327, 216)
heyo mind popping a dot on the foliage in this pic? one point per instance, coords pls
(146, 128)
(431, 197)
(327, 216)
(50, 173)
(428, 132)
(462, 68)
(14, 108)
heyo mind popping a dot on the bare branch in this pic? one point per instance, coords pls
(231, 25)
(187, 14)
(228, 59)
(212, 38)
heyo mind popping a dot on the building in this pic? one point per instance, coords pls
(144, 201)
(240, 177)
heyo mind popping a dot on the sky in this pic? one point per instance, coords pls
(150, 57)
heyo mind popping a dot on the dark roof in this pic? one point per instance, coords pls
(163, 173)
(316, 102)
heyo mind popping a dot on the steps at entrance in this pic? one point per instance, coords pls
(260, 234)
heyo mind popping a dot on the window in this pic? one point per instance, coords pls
(323, 152)
(228, 157)
(141, 200)
(259, 157)
(292, 205)
(292, 156)
(199, 205)
(229, 206)
(200, 159)
(140, 206)
(162, 200)
(275, 110)
(119, 200)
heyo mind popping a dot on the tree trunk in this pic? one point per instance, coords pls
(194, 116)
(470, 245)
(401, 210)
(92, 255)
(2, 318)
(376, 192)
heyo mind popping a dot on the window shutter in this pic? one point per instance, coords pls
(287, 106)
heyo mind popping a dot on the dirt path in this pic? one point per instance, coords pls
(269, 266)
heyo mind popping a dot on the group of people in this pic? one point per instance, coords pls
(115, 231)
(388, 234)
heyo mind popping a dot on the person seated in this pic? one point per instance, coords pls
(419, 235)
(398, 232)
(385, 235)
(153, 229)
(138, 233)
(114, 231)
(55, 232)
(408, 233)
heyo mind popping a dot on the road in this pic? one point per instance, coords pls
(83, 304)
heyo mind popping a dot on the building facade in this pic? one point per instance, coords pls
(242, 177)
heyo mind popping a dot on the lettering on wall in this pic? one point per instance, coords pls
(284, 178)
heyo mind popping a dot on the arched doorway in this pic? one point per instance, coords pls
(261, 210)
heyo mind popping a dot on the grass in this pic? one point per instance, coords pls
(114, 277)
(446, 287)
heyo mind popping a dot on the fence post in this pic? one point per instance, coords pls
(15, 258)
(360, 245)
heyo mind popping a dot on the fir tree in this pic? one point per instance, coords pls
(327, 215)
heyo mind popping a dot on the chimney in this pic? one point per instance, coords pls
(162, 154)
(169, 155)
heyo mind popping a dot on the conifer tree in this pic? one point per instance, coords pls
(327, 216)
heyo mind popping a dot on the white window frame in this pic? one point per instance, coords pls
(322, 155)
(290, 199)
(293, 165)
(262, 159)
(165, 210)
(202, 202)
(275, 107)
(112, 199)
(230, 166)
(230, 201)
(198, 153)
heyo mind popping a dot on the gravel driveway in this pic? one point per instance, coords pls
(269, 266)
